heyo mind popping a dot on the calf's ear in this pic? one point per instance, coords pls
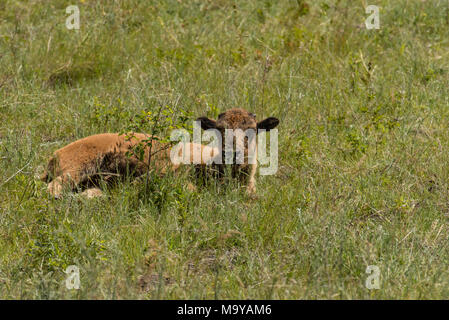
(268, 123)
(207, 123)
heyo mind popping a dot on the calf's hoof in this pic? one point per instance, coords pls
(55, 189)
(251, 192)
(92, 193)
(191, 187)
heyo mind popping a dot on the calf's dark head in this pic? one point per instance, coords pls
(238, 127)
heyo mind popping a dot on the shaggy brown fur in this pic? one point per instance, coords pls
(105, 156)
(239, 119)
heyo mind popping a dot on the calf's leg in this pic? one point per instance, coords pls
(57, 185)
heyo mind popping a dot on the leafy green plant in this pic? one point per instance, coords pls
(158, 125)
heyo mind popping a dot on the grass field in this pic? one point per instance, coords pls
(363, 149)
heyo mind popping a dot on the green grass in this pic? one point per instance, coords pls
(363, 154)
